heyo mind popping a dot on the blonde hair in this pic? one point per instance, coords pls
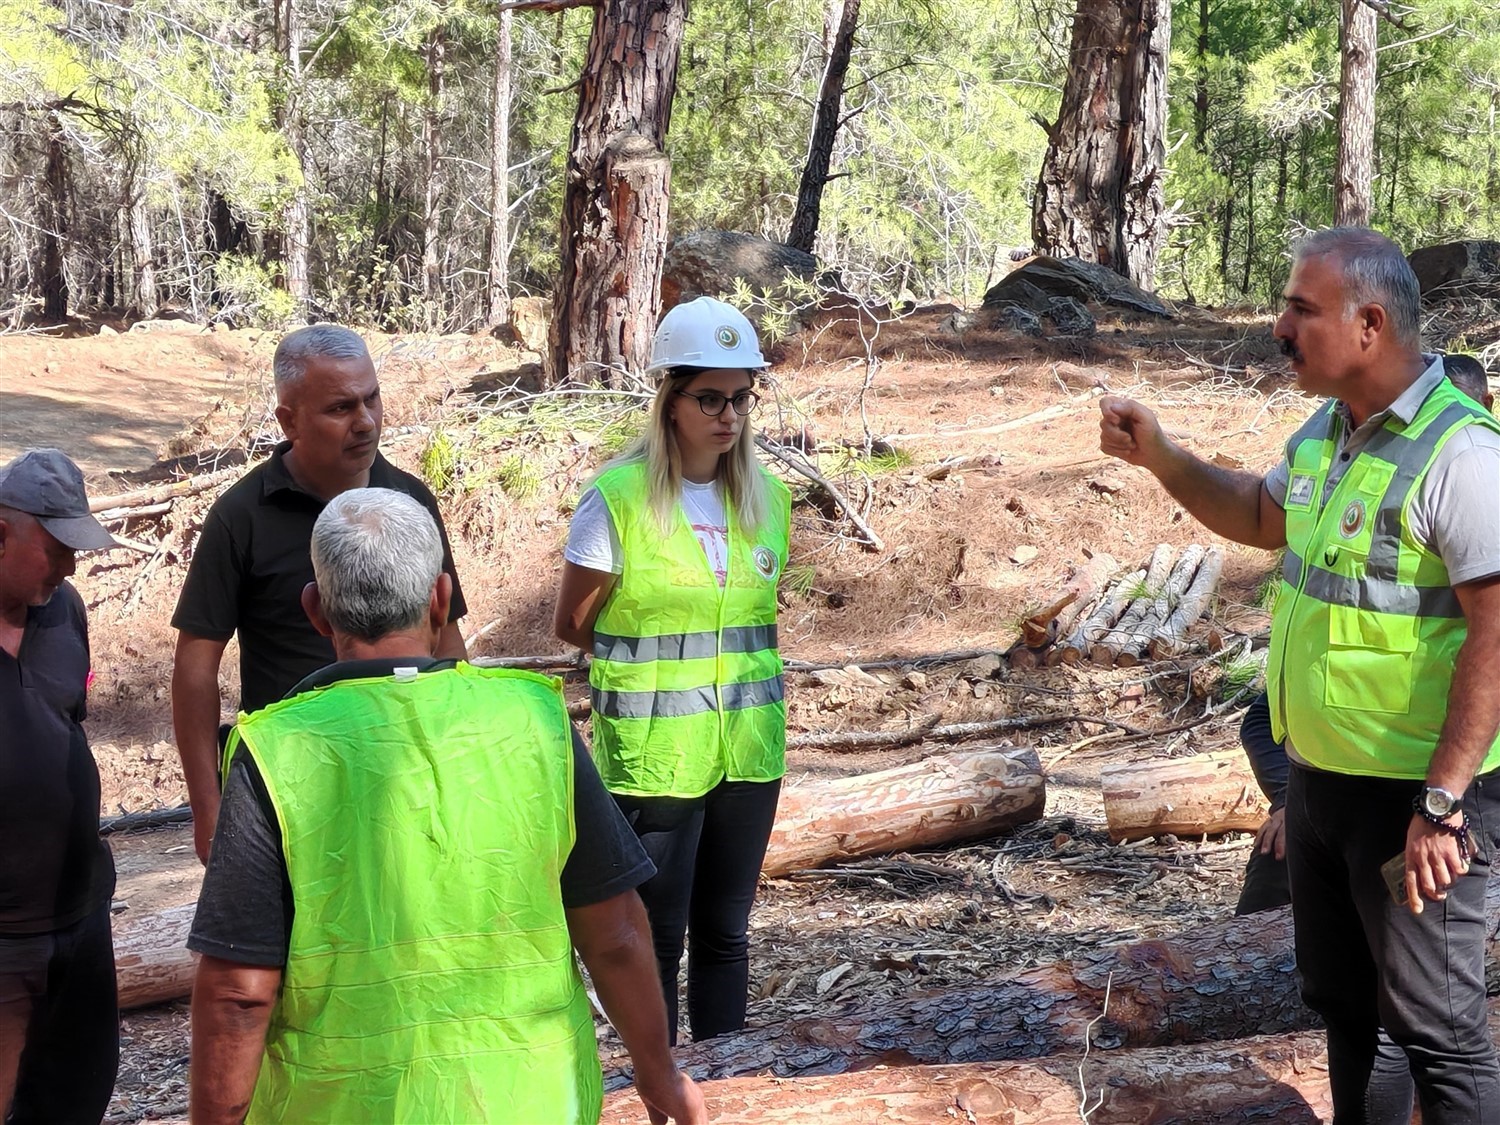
(739, 471)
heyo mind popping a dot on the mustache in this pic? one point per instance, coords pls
(1290, 350)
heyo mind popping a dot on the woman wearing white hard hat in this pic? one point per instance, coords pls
(670, 582)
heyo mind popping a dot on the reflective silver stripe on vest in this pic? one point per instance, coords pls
(681, 704)
(1411, 457)
(1291, 567)
(1380, 596)
(683, 646)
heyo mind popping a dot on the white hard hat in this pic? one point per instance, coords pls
(705, 333)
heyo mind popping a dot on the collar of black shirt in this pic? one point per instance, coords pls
(367, 669)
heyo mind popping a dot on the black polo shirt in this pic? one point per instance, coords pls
(245, 909)
(250, 566)
(54, 868)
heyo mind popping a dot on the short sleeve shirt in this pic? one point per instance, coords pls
(251, 563)
(1456, 512)
(54, 868)
(245, 910)
(594, 542)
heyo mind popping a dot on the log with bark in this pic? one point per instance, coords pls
(1172, 591)
(156, 494)
(1225, 980)
(1082, 590)
(943, 799)
(1092, 628)
(152, 962)
(1281, 1078)
(1205, 794)
(1170, 637)
(1158, 570)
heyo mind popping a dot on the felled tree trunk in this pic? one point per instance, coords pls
(1098, 623)
(1082, 590)
(152, 963)
(1166, 601)
(1158, 570)
(1170, 637)
(1203, 795)
(1227, 980)
(943, 799)
(1281, 1078)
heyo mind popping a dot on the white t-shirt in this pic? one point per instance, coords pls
(594, 543)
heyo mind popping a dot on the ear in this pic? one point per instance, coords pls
(287, 420)
(1372, 321)
(441, 600)
(312, 605)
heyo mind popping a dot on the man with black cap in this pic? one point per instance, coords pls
(59, 1029)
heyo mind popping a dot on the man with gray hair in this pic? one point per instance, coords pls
(251, 561)
(1384, 641)
(410, 850)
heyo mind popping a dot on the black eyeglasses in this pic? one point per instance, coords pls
(712, 402)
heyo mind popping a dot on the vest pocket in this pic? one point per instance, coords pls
(1369, 660)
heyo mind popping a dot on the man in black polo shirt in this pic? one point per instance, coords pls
(59, 1030)
(252, 562)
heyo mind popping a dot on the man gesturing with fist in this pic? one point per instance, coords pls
(1384, 640)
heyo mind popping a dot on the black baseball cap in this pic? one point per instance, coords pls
(46, 484)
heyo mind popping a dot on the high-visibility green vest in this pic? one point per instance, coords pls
(1366, 627)
(425, 821)
(686, 677)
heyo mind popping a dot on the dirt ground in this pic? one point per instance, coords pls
(989, 491)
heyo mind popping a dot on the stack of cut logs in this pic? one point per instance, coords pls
(1118, 619)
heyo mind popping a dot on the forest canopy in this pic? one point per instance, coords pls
(168, 152)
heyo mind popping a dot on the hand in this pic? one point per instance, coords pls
(205, 820)
(675, 1097)
(1433, 861)
(1270, 837)
(1129, 431)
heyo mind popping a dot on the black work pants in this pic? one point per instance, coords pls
(1367, 962)
(708, 851)
(59, 1026)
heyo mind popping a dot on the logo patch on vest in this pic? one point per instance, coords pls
(728, 338)
(765, 562)
(1299, 492)
(1353, 519)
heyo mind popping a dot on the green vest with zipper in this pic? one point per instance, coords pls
(686, 677)
(425, 821)
(1366, 627)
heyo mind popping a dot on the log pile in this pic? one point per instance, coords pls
(1118, 619)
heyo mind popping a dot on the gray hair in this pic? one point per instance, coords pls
(376, 554)
(331, 341)
(1374, 272)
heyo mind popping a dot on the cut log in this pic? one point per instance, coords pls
(1158, 570)
(158, 493)
(1205, 794)
(1281, 1078)
(152, 962)
(1169, 638)
(1081, 591)
(943, 799)
(1176, 586)
(1226, 980)
(1099, 621)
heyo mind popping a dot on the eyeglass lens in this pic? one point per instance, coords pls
(712, 403)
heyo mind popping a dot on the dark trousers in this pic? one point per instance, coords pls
(708, 851)
(1367, 962)
(59, 1027)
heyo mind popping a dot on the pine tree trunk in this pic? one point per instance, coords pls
(1206, 794)
(497, 232)
(296, 218)
(1354, 180)
(142, 262)
(1099, 196)
(825, 129)
(432, 156)
(614, 221)
(53, 223)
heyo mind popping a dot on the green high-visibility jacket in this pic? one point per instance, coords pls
(686, 677)
(1366, 627)
(425, 821)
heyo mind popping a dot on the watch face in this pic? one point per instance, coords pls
(1437, 802)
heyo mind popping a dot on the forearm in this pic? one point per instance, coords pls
(229, 1038)
(195, 724)
(1473, 717)
(625, 976)
(1223, 500)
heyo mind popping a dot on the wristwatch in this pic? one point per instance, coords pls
(1435, 803)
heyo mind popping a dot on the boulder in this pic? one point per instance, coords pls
(1035, 284)
(530, 318)
(1014, 318)
(706, 263)
(1070, 317)
(1470, 268)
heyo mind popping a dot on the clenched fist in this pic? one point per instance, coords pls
(1129, 431)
